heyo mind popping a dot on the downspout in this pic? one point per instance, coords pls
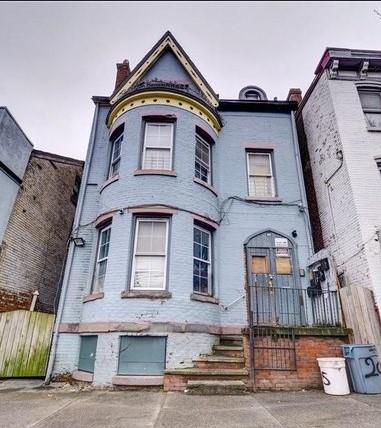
(301, 185)
(70, 256)
(250, 324)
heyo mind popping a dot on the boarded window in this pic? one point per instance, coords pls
(283, 265)
(87, 353)
(259, 264)
(142, 355)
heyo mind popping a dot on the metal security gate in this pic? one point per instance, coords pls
(273, 348)
(24, 343)
(276, 303)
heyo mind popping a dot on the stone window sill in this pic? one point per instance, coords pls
(83, 376)
(373, 129)
(137, 380)
(155, 172)
(108, 182)
(93, 296)
(206, 185)
(140, 294)
(263, 199)
(203, 298)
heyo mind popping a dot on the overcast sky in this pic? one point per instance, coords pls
(55, 56)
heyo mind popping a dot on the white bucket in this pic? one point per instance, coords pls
(334, 376)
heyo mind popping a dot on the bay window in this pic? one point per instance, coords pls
(202, 169)
(102, 257)
(202, 261)
(158, 146)
(150, 254)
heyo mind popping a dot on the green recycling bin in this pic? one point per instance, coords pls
(364, 367)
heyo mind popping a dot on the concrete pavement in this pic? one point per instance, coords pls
(68, 407)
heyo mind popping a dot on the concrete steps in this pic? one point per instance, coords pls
(213, 387)
(221, 373)
(218, 362)
(228, 350)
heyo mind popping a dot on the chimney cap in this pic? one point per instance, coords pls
(295, 94)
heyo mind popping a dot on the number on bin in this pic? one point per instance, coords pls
(326, 381)
(375, 367)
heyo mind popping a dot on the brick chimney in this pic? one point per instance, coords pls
(122, 72)
(295, 94)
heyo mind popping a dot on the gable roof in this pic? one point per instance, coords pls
(168, 41)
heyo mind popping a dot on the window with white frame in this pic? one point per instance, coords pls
(115, 156)
(150, 254)
(202, 166)
(102, 257)
(202, 261)
(371, 104)
(260, 175)
(158, 146)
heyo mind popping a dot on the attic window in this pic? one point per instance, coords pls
(252, 93)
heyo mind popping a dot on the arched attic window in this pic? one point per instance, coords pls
(252, 93)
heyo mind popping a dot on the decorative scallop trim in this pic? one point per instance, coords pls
(167, 99)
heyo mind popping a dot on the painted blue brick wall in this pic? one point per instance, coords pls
(240, 220)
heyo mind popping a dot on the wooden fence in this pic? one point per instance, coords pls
(24, 343)
(360, 315)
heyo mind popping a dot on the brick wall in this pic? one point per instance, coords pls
(307, 375)
(34, 245)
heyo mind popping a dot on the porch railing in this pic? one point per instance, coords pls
(293, 307)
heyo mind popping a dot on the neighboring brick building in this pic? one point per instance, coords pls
(191, 207)
(35, 242)
(340, 135)
(15, 149)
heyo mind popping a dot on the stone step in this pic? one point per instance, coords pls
(215, 387)
(219, 362)
(177, 379)
(230, 341)
(228, 350)
(193, 371)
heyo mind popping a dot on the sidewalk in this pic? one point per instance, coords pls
(137, 409)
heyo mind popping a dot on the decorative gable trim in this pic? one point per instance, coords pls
(167, 42)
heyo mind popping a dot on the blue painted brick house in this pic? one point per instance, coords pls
(187, 201)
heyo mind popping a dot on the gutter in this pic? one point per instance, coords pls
(70, 255)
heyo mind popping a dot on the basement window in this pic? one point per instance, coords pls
(87, 353)
(142, 355)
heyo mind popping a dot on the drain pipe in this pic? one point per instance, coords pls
(70, 256)
(302, 189)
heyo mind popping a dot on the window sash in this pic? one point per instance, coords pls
(149, 254)
(367, 109)
(101, 260)
(200, 163)
(162, 148)
(116, 152)
(253, 175)
(197, 261)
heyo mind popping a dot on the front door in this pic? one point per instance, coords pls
(274, 292)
